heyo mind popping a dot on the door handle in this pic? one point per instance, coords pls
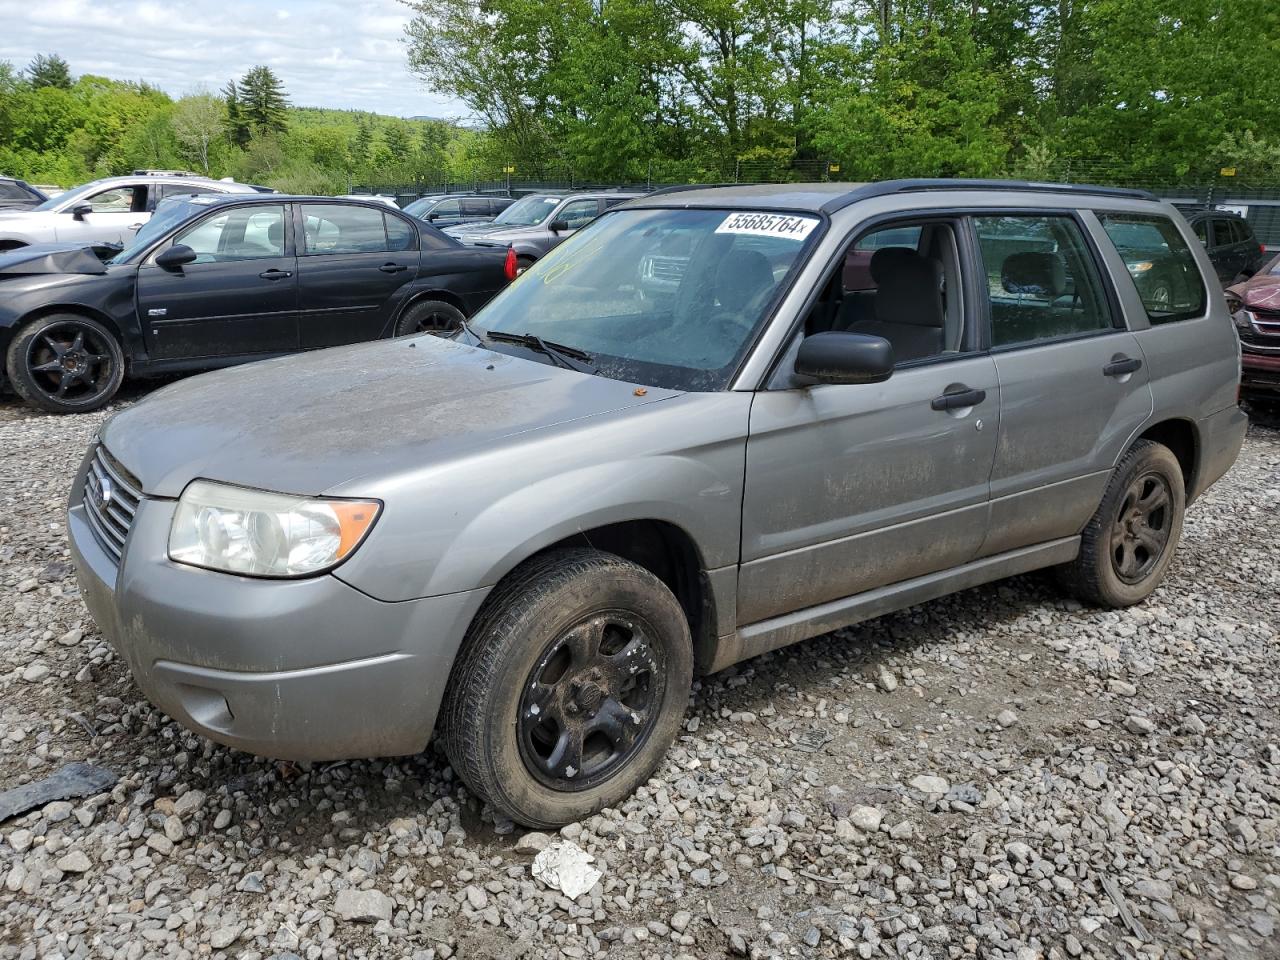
(135, 226)
(958, 399)
(1118, 368)
(392, 268)
(274, 274)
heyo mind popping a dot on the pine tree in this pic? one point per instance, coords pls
(361, 144)
(263, 101)
(236, 127)
(49, 71)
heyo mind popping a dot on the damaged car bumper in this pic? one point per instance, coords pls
(309, 669)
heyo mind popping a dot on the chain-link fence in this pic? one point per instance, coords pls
(1256, 198)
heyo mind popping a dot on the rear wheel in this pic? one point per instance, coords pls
(65, 363)
(570, 687)
(1129, 543)
(429, 316)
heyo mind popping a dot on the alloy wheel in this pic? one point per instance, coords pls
(591, 701)
(71, 362)
(1142, 527)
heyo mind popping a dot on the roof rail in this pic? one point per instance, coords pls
(889, 187)
(682, 187)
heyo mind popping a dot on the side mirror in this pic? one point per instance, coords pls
(176, 256)
(433, 216)
(836, 357)
(81, 210)
(558, 225)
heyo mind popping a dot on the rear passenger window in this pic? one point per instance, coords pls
(400, 236)
(1160, 263)
(1041, 279)
(334, 228)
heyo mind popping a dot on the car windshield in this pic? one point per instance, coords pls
(672, 298)
(168, 215)
(527, 211)
(420, 206)
(70, 196)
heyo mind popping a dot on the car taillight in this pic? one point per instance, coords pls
(510, 268)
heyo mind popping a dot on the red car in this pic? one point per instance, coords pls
(1255, 307)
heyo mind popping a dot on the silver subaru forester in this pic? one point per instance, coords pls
(714, 422)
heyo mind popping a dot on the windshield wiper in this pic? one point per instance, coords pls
(571, 358)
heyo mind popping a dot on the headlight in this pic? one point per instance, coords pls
(1140, 267)
(259, 534)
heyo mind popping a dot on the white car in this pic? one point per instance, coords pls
(104, 211)
(374, 197)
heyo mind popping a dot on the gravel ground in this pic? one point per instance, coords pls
(1001, 774)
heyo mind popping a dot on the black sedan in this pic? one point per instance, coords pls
(212, 281)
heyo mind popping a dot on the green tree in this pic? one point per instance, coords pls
(49, 70)
(263, 101)
(235, 125)
(197, 123)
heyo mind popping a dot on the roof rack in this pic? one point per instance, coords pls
(889, 187)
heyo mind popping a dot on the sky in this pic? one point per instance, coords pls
(329, 53)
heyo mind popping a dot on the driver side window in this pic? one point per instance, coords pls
(579, 213)
(246, 233)
(900, 282)
(116, 200)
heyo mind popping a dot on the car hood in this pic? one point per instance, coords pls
(1261, 292)
(307, 423)
(490, 231)
(51, 258)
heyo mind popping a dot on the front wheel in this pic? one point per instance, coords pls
(65, 363)
(1127, 546)
(570, 687)
(429, 316)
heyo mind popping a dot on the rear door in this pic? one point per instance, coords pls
(1228, 250)
(239, 297)
(1073, 384)
(354, 269)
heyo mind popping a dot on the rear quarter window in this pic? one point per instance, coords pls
(1160, 263)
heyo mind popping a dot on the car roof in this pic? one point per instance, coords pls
(829, 197)
(1208, 212)
(227, 186)
(208, 199)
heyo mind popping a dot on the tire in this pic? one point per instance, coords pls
(1127, 546)
(429, 316)
(65, 363)
(525, 689)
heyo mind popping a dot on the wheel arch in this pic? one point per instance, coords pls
(1181, 436)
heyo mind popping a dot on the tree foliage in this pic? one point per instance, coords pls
(1132, 89)
(263, 103)
(49, 70)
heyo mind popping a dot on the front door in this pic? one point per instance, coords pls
(118, 213)
(353, 270)
(239, 297)
(853, 487)
(1074, 387)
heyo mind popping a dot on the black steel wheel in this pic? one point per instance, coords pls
(65, 363)
(429, 316)
(1142, 526)
(591, 701)
(569, 688)
(1128, 544)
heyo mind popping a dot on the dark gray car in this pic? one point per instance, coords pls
(849, 400)
(535, 224)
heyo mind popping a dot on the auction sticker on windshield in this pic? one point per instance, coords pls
(780, 225)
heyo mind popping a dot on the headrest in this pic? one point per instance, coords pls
(884, 259)
(1034, 274)
(910, 289)
(741, 276)
(275, 233)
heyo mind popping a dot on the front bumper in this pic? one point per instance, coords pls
(1260, 371)
(291, 669)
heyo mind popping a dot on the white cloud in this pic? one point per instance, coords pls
(328, 53)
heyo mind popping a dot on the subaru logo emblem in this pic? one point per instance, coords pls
(105, 493)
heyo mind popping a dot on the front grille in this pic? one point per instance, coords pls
(111, 515)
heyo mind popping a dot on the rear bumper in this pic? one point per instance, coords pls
(1221, 437)
(292, 669)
